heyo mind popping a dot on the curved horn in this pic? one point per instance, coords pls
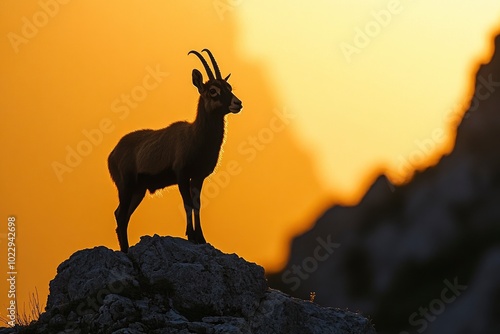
(205, 64)
(214, 63)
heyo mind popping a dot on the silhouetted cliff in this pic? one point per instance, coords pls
(424, 255)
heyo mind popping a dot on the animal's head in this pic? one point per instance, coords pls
(216, 93)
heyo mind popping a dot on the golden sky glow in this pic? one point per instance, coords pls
(324, 110)
(369, 78)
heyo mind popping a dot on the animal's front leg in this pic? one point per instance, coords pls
(196, 185)
(184, 189)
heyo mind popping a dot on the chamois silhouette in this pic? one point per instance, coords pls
(183, 153)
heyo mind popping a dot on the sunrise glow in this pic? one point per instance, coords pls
(333, 92)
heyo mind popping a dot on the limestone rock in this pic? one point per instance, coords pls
(169, 285)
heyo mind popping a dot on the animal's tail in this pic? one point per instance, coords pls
(113, 167)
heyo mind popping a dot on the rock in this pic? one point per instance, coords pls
(215, 288)
(278, 313)
(91, 272)
(169, 285)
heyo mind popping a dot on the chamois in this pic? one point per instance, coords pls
(183, 153)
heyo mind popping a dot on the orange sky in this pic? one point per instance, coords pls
(76, 76)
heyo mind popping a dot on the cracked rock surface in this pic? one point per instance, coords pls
(169, 285)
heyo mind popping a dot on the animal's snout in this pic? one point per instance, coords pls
(236, 105)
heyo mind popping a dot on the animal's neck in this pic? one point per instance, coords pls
(208, 128)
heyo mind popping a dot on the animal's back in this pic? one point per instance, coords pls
(165, 148)
(148, 152)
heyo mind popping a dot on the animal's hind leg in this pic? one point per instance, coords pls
(122, 222)
(137, 197)
(127, 206)
(122, 218)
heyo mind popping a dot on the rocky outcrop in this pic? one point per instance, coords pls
(423, 255)
(169, 285)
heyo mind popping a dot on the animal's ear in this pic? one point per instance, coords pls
(198, 80)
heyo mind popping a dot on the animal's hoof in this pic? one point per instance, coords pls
(192, 239)
(196, 238)
(200, 240)
(197, 241)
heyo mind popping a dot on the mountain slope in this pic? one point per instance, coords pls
(424, 255)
